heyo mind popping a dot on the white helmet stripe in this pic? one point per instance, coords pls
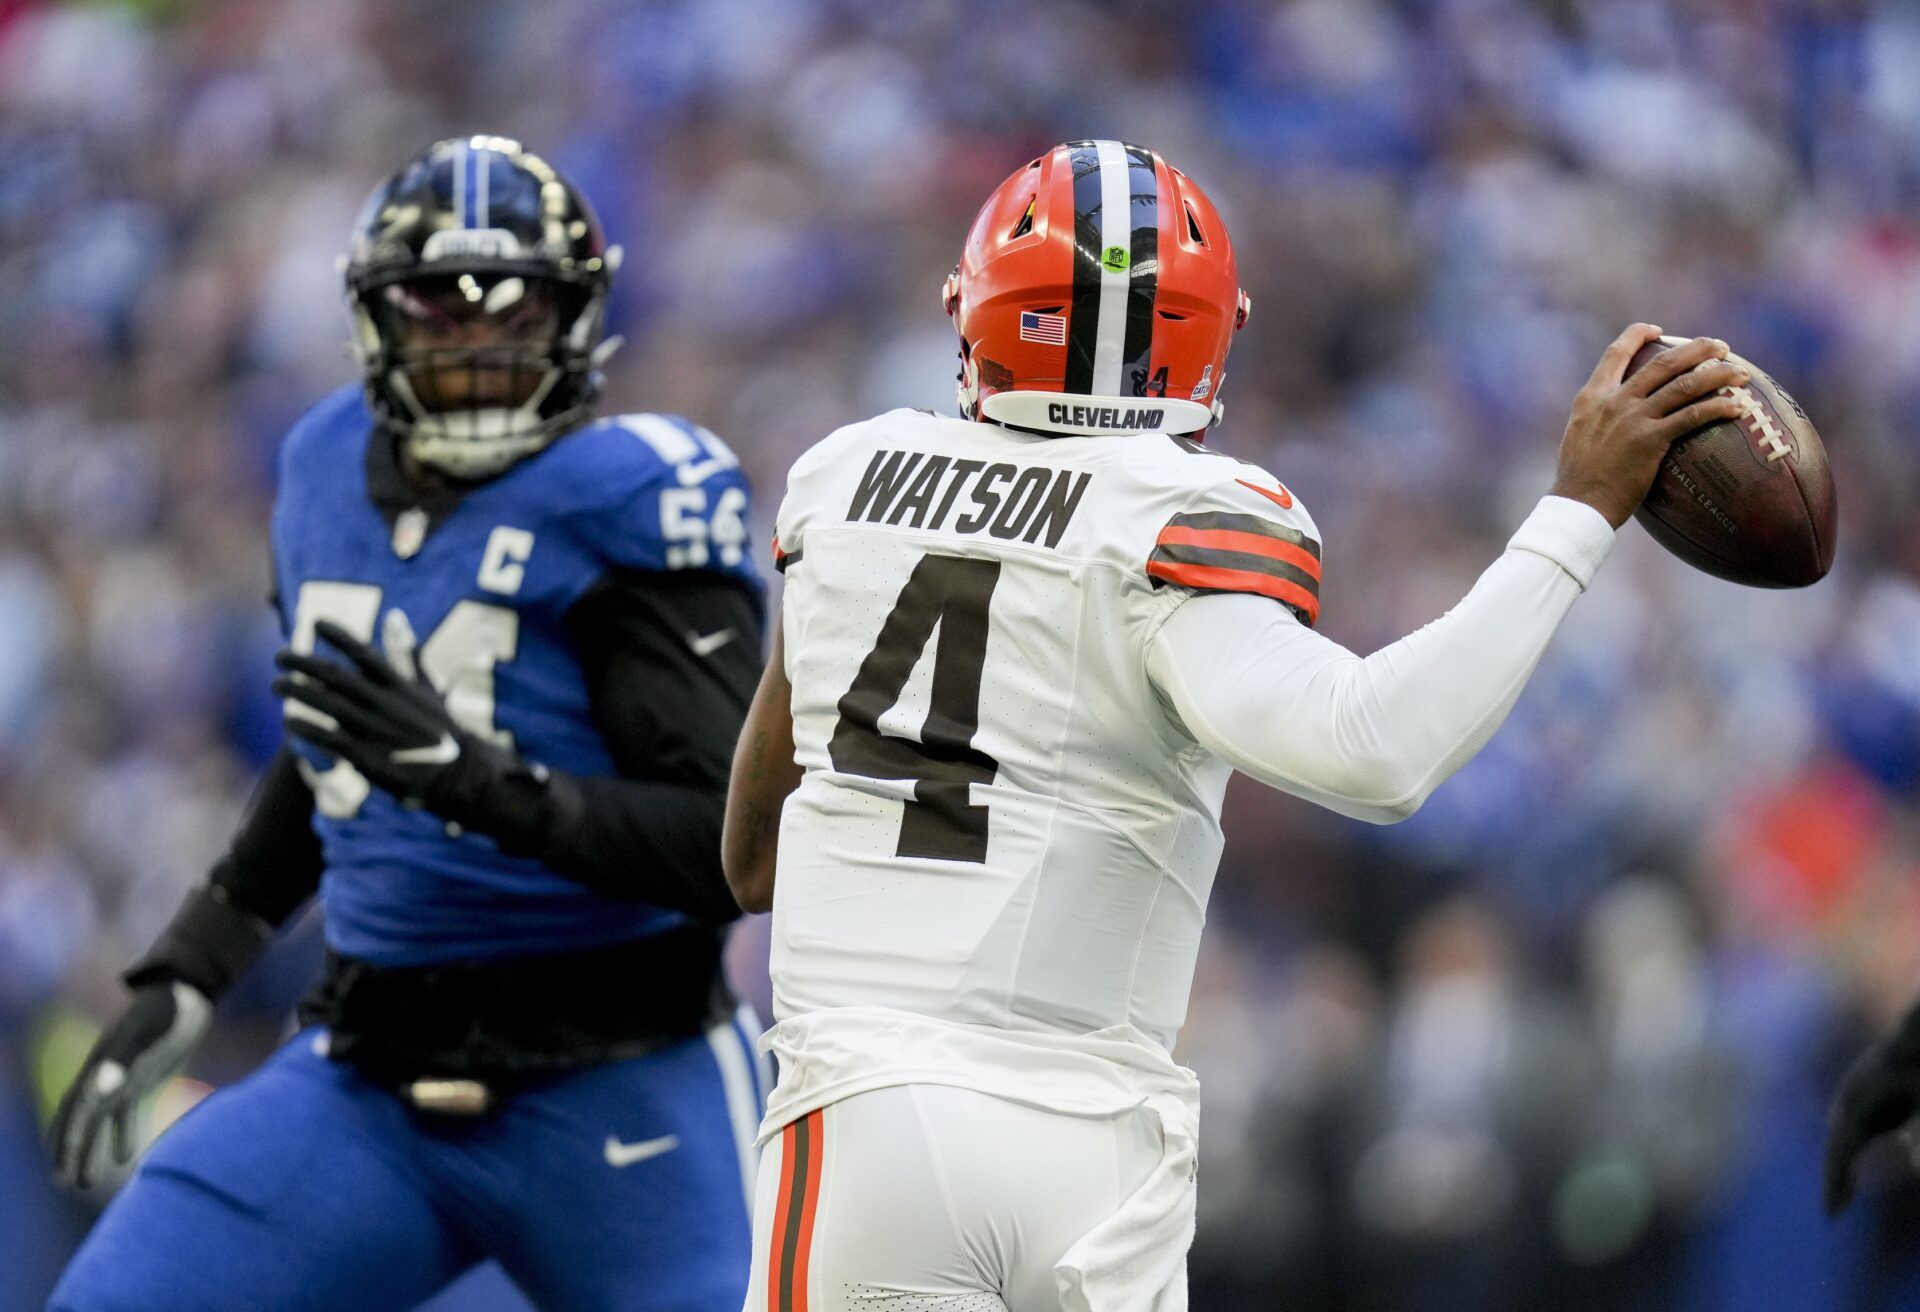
(481, 175)
(460, 183)
(1116, 231)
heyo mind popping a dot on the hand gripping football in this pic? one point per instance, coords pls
(1748, 499)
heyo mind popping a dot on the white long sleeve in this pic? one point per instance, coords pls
(1372, 738)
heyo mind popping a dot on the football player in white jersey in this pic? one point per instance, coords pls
(980, 786)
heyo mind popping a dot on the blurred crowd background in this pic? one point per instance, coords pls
(1562, 1040)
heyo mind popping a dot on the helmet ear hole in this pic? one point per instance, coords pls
(1025, 225)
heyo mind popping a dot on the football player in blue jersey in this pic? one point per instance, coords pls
(520, 646)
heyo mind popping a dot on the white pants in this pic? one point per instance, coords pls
(928, 1198)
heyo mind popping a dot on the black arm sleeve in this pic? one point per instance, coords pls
(671, 661)
(272, 867)
(274, 864)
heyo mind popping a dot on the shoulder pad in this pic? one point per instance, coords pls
(655, 492)
(813, 470)
(847, 443)
(322, 423)
(1243, 534)
(617, 453)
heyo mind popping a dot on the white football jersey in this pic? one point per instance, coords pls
(1001, 823)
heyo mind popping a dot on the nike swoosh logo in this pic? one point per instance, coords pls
(709, 643)
(626, 1154)
(444, 752)
(1281, 498)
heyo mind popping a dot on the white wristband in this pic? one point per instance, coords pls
(1571, 534)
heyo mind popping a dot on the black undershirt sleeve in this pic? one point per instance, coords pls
(671, 662)
(272, 867)
(274, 864)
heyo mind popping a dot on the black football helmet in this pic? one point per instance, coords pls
(477, 283)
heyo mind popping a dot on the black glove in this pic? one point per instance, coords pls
(391, 726)
(137, 1054)
(1879, 1095)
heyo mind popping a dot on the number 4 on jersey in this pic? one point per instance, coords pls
(952, 593)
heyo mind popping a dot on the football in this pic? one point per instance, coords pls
(1749, 499)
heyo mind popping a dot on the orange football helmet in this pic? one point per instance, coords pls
(1098, 270)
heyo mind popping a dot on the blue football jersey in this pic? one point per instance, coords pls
(477, 595)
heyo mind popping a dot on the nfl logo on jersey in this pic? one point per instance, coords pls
(409, 532)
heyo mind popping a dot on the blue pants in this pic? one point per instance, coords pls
(305, 1186)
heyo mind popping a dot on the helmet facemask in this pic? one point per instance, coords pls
(481, 368)
(477, 282)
